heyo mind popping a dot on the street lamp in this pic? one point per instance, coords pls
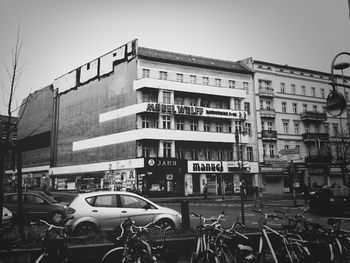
(237, 134)
(336, 103)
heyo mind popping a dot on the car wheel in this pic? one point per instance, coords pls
(85, 229)
(165, 222)
(57, 217)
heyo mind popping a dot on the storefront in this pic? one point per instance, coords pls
(274, 179)
(162, 177)
(213, 173)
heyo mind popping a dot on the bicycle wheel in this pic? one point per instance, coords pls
(205, 257)
(114, 255)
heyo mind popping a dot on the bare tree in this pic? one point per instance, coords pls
(13, 75)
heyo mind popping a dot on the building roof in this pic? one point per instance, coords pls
(193, 61)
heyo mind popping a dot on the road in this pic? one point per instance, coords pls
(233, 212)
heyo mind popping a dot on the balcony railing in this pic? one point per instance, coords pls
(318, 159)
(269, 135)
(313, 116)
(266, 92)
(267, 113)
(312, 137)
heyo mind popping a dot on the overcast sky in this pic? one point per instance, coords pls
(59, 36)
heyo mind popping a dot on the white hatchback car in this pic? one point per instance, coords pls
(106, 210)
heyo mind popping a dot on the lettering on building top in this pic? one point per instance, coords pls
(193, 110)
(207, 167)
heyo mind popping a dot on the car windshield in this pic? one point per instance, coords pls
(338, 190)
(52, 200)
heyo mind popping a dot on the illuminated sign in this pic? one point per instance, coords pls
(194, 110)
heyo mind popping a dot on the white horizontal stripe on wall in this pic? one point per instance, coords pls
(188, 87)
(96, 167)
(43, 168)
(156, 134)
(129, 110)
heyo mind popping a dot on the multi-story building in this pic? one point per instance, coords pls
(160, 122)
(295, 134)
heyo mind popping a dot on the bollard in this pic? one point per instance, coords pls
(185, 213)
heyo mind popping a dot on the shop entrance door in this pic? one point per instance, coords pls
(196, 184)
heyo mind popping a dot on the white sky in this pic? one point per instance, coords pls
(61, 35)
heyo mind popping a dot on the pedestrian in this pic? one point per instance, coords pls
(205, 191)
(306, 194)
(244, 190)
(258, 197)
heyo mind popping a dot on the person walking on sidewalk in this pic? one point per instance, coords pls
(205, 191)
(258, 197)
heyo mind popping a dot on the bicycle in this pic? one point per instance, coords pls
(205, 250)
(138, 246)
(54, 244)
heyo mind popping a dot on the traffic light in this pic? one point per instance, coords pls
(336, 103)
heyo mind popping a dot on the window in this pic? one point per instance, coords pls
(285, 127)
(219, 127)
(237, 104)
(286, 146)
(194, 125)
(207, 126)
(163, 75)
(292, 88)
(272, 151)
(248, 128)
(34, 199)
(326, 128)
(218, 82)
(269, 126)
(194, 154)
(230, 155)
(179, 77)
(180, 124)
(346, 95)
(134, 202)
(166, 149)
(145, 122)
(220, 154)
(307, 128)
(193, 102)
(282, 87)
(103, 201)
(284, 106)
(296, 127)
(180, 153)
(264, 150)
(247, 107)
(262, 125)
(207, 154)
(313, 91)
(265, 84)
(166, 122)
(322, 93)
(179, 101)
(246, 87)
(205, 81)
(205, 103)
(303, 90)
(145, 151)
(305, 107)
(295, 108)
(314, 107)
(268, 105)
(231, 84)
(193, 79)
(145, 73)
(166, 97)
(335, 130)
(250, 153)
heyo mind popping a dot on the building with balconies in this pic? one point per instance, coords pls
(292, 115)
(154, 121)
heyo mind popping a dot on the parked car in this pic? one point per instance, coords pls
(106, 210)
(49, 195)
(330, 200)
(6, 217)
(36, 206)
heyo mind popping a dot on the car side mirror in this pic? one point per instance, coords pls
(147, 206)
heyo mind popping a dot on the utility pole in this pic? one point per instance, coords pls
(237, 133)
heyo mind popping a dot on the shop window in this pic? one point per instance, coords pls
(166, 149)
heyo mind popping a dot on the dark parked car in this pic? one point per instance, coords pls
(330, 200)
(36, 206)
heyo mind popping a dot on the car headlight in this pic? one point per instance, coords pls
(331, 199)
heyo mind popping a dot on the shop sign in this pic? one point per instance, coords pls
(193, 110)
(272, 169)
(164, 163)
(209, 167)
